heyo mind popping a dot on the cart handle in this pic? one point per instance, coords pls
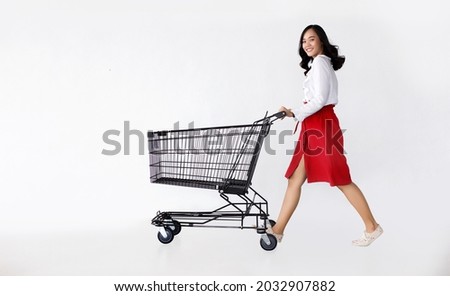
(272, 117)
(278, 115)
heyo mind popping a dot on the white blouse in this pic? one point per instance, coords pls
(320, 88)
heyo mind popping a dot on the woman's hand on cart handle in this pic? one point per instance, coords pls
(287, 112)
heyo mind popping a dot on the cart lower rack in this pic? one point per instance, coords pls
(218, 158)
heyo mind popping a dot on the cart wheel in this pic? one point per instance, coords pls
(272, 223)
(168, 238)
(268, 246)
(176, 227)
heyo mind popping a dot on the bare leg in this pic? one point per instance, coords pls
(358, 201)
(291, 197)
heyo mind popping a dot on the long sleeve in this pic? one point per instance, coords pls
(320, 88)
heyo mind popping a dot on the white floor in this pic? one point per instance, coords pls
(316, 243)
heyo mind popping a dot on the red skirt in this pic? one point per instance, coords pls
(321, 143)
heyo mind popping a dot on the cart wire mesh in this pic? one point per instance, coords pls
(221, 158)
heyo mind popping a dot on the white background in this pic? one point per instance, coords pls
(71, 71)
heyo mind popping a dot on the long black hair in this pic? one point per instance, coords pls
(329, 50)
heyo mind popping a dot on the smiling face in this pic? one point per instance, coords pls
(311, 43)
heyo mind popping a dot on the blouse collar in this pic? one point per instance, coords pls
(325, 56)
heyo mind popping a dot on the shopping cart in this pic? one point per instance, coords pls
(219, 158)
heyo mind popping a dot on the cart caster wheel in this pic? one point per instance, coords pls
(176, 227)
(272, 223)
(168, 238)
(268, 245)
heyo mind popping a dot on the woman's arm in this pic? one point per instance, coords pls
(317, 89)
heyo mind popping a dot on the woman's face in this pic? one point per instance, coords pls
(311, 43)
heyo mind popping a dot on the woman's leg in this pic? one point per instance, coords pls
(358, 201)
(291, 197)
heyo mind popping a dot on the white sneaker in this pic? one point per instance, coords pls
(368, 238)
(269, 230)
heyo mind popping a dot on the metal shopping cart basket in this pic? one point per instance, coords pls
(218, 158)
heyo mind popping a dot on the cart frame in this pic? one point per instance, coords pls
(232, 178)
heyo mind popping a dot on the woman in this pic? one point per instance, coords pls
(319, 154)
